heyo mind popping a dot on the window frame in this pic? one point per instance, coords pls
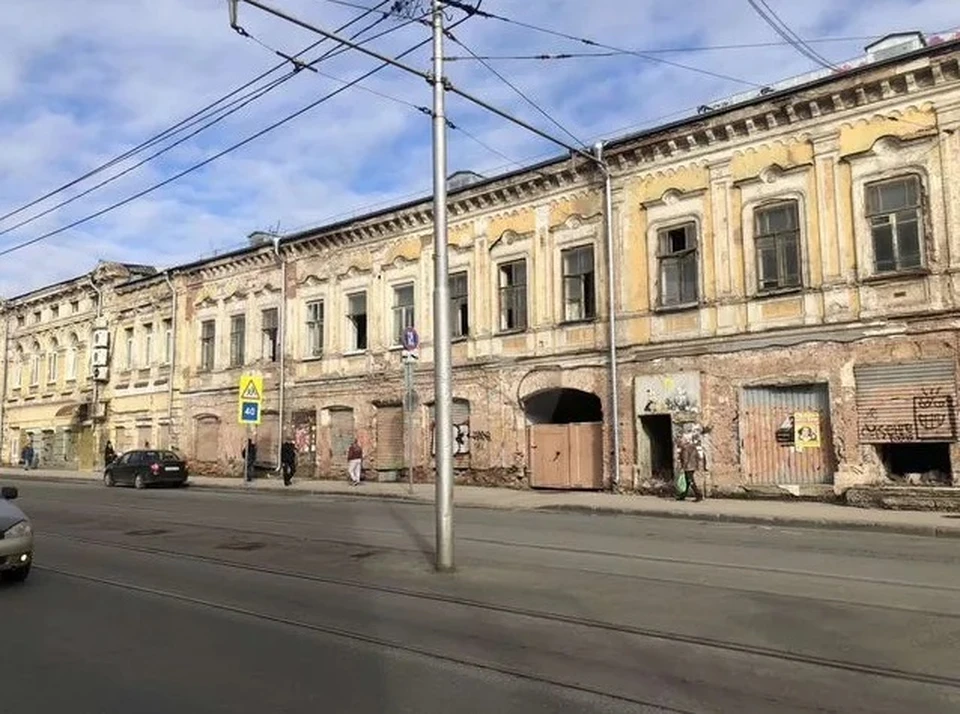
(353, 328)
(270, 335)
(316, 313)
(167, 325)
(238, 340)
(585, 282)
(53, 362)
(129, 341)
(778, 239)
(664, 258)
(147, 344)
(459, 305)
(510, 292)
(73, 357)
(403, 315)
(920, 211)
(208, 345)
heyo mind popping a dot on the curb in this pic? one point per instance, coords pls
(784, 521)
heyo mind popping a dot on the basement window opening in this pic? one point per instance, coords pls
(918, 464)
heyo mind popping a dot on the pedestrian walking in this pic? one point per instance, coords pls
(27, 456)
(109, 455)
(249, 454)
(689, 457)
(288, 461)
(355, 462)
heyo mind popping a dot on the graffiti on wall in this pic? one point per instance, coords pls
(933, 419)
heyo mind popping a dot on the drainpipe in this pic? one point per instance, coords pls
(281, 344)
(96, 384)
(612, 307)
(6, 379)
(173, 350)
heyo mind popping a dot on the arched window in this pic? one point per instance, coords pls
(18, 360)
(53, 361)
(35, 364)
(73, 348)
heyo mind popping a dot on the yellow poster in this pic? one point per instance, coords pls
(806, 430)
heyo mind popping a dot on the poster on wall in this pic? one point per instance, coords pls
(806, 430)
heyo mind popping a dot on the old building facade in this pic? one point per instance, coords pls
(785, 290)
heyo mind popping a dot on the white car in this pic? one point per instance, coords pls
(16, 539)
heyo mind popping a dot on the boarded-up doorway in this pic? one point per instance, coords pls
(565, 439)
(767, 438)
(389, 438)
(342, 432)
(305, 441)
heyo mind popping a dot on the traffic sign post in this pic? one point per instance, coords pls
(250, 411)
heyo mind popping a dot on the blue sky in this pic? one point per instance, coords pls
(82, 81)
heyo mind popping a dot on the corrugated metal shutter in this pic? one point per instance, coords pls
(341, 436)
(907, 402)
(764, 410)
(389, 438)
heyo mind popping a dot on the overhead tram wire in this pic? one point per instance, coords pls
(197, 117)
(218, 155)
(769, 16)
(453, 38)
(477, 12)
(250, 97)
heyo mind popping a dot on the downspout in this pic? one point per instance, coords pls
(612, 318)
(173, 351)
(282, 345)
(96, 385)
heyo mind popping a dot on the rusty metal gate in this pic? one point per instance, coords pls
(566, 456)
(389, 438)
(767, 445)
(907, 402)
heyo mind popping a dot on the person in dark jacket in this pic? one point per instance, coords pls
(27, 456)
(249, 454)
(288, 461)
(109, 454)
(689, 456)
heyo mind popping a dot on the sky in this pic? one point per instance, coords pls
(84, 81)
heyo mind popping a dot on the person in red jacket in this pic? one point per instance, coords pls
(355, 462)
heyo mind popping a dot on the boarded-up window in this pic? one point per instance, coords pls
(268, 436)
(144, 432)
(460, 419)
(208, 439)
(390, 438)
(120, 440)
(163, 437)
(341, 436)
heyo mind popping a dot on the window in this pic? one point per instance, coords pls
(513, 295)
(270, 327)
(677, 255)
(776, 234)
(35, 365)
(315, 328)
(579, 285)
(208, 344)
(357, 317)
(72, 349)
(893, 209)
(18, 361)
(167, 341)
(128, 354)
(458, 305)
(74, 307)
(36, 317)
(55, 312)
(238, 338)
(21, 320)
(148, 344)
(53, 362)
(403, 308)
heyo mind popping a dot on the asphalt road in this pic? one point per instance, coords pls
(194, 601)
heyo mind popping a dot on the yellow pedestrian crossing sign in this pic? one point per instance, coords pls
(251, 395)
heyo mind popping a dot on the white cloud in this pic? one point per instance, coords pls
(81, 82)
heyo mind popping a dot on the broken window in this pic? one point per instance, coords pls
(315, 328)
(579, 285)
(403, 311)
(270, 327)
(458, 305)
(357, 317)
(776, 235)
(894, 211)
(513, 295)
(677, 254)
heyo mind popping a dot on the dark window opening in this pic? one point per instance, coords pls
(270, 319)
(658, 430)
(917, 464)
(458, 305)
(563, 406)
(357, 317)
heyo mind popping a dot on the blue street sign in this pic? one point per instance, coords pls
(410, 340)
(249, 412)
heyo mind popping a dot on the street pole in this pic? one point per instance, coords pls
(409, 400)
(443, 399)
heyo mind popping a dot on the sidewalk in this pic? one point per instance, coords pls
(782, 513)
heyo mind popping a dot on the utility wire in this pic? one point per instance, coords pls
(197, 117)
(237, 106)
(770, 17)
(475, 11)
(214, 157)
(516, 89)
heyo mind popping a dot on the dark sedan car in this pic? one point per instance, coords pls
(145, 467)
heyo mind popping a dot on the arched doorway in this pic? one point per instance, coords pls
(565, 429)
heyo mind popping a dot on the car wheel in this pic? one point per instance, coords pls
(139, 483)
(108, 479)
(17, 575)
